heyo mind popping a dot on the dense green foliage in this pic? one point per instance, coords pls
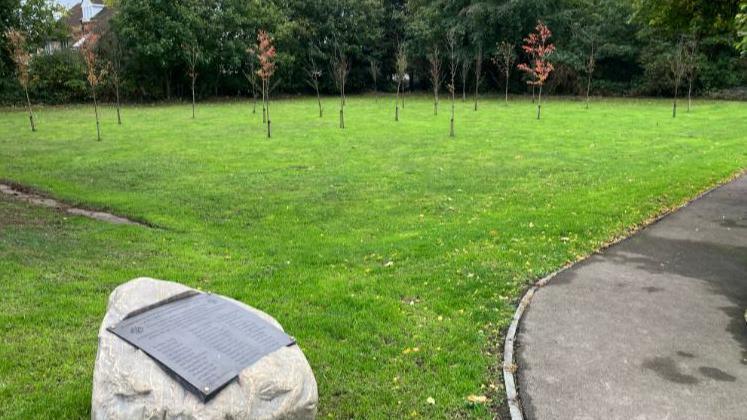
(742, 28)
(36, 20)
(59, 77)
(365, 243)
(631, 40)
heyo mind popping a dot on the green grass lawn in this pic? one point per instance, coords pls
(393, 253)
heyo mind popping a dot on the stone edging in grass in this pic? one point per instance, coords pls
(509, 364)
(26, 195)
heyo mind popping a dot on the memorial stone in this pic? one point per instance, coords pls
(169, 352)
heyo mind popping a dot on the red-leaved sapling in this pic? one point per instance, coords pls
(538, 48)
(266, 56)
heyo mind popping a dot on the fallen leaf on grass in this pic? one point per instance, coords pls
(431, 401)
(477, 399)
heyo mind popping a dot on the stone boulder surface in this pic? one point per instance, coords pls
(128, 384)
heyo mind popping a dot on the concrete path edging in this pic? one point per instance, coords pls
(510, 367)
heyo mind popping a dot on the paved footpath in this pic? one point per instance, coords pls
(653, 328)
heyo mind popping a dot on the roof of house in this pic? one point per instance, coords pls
(74, 16)
(80, 30)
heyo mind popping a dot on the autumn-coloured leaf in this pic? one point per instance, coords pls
(477, 399)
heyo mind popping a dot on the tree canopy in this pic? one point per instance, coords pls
(629, 39)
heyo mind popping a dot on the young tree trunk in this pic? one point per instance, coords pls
(28, 107)
(435, 104)
(477, 85)
(264, 102)
(269, 122)
(589, 71)
(674, 104)
(451, 122)
(193, 97)
(116, 92)
(533, 99)
(96, 112)
(342, 112)
(476, 95)
(507, 74)
(319, 101)
(396, 104)
(254, 96)
(168, 85)
(478, 73)
(539, 103)
(689, 95)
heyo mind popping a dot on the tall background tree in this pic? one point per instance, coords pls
(630, 40)
(712, 23)
(37, 21)
(741, 24)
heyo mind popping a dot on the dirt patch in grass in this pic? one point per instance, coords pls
(25, 194)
